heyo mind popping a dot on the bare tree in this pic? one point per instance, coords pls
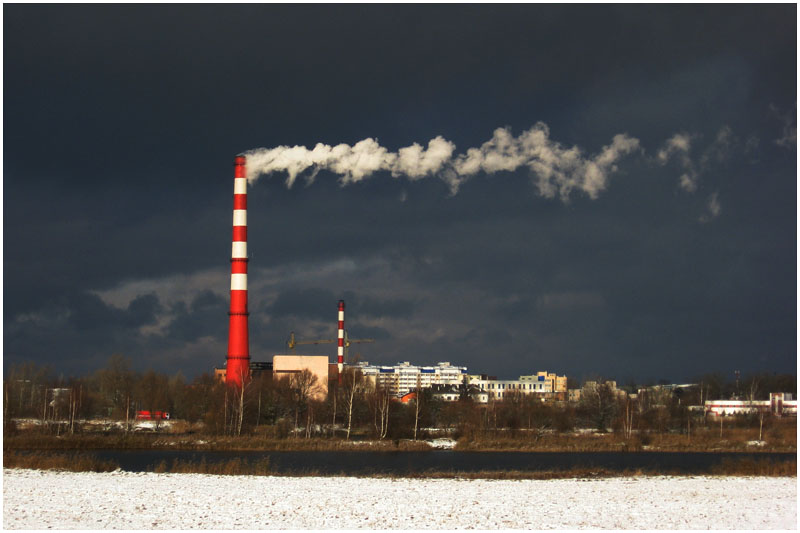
(381, 401)
(752, 395)
(177, 396)
(762, 414)
(599, 404)
(304, 385)
(352, 383)
(117, 382)
(151, 391)
(334, 393)
(244, 382)
(24, 383)
(752, 390)
(627, 421)
(75, 394)
(418, 401)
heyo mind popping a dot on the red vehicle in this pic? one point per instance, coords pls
(152, 415)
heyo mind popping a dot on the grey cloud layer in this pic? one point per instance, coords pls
(649, 279)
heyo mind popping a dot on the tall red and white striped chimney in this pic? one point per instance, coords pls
(340, 353)
(238, 362)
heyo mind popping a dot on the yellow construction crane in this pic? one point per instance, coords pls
(292, 342)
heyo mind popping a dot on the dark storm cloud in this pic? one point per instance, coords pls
(378, 334)
(305, 312)
(310, 303)
(78, 328)
(382, 307)
(199, 319)
(121, 122)
(88, 312)
(304, 303)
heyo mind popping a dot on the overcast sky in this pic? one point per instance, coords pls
(628, 209)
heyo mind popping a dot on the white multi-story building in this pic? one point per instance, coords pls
(404, 377)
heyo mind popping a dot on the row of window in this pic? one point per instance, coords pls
(519, 386)
(403, 379)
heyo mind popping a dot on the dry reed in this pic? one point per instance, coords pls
(73, 462)
(232, 467)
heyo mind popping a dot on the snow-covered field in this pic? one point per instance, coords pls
(35, 499)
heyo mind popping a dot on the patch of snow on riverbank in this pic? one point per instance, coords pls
(442, 444)
(35, 499)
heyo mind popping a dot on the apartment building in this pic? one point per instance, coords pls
(402, 378)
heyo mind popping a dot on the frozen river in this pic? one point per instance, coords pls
(122, 500)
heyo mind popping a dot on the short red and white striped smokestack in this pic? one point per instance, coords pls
(340, 353)
(238, 362)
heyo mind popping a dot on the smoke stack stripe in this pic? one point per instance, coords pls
(340, 354)
(238, 361)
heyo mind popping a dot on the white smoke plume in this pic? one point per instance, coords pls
(789, 120)
(558, 170)
(719, 150)
(714, 208)
(678, 147)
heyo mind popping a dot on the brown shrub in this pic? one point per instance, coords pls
(232, 467)
(74, 462)
(755, 467)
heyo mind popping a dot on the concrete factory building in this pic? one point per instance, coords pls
(404, 377)
(292, 365)
(779, 404)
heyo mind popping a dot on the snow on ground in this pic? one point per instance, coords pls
(442, 444)
(35, 499)
(105, 424)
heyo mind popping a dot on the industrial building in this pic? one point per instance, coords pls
(403, 379)
(317, 365)
(779, 404)
(257, 368)
(399, 379)
(288, 365)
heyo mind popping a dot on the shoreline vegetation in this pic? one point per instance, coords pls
(118, 409)
(180, 436)
(37, 448)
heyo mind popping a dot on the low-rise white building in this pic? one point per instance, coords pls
(498, 389)
(543, 383)
(779, 404)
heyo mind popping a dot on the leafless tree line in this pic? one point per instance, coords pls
(298, 405)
